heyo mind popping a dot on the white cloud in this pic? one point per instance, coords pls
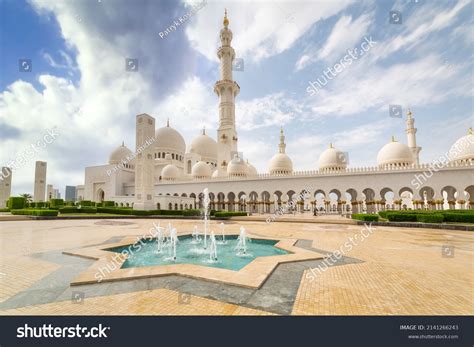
(261, 29)
(345, 35)
(420, 82)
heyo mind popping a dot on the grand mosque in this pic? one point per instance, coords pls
(163, 173)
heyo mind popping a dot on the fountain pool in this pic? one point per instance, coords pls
(190, 252)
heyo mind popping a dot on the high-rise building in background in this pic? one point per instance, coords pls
(70, 193)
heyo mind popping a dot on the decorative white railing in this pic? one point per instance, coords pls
(326, 172)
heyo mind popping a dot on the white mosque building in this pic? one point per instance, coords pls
(163, 174)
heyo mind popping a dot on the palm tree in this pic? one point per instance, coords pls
(27, 197)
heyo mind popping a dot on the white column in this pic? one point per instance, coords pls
(5, 186)
(40, 181)
(145, 132)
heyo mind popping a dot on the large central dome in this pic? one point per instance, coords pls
(205, 146)
(395, 153)
(169, 140)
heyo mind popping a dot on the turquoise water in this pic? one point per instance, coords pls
(188, 252)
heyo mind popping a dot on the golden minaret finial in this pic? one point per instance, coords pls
(330, 145)
(226, 21)
(469, 132)
(393, 139)
(168, 122)
(409, 113)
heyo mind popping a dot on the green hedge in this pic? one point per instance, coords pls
(39, 204)
(401, 217)
(366, 217)
(191, 212)
(16, 202)
(451, 216)
(454, 217)
(108, 203)
(229, 214)
(383, 214)
(4, 210)
(84, 203)
(430, 218)
(56, 203)
(32, 212)
(69, 209)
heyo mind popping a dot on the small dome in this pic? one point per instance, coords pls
(237, 167)
(332, 159)
(463, 149)
(395, 153)
(201, 170)
(205, 146)
(169, 140)
(120, 154)
(170, 172)
(280, 164)
(252, 171)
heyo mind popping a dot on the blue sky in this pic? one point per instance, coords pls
(78, 81)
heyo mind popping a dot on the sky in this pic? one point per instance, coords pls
(63, 72)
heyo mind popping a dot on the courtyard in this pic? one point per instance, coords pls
(45, 269)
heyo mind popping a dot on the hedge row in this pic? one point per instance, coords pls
(366, 217)
(16, 202)
(452, 216)
(229, 214)
(4, 210)
(56, 203)
(32, 212)
(191, 212)
(73, 209)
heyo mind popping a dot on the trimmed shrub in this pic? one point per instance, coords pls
(430, 218)
(191, 212)
(69, 203)
(4, 210)
(73, 209)
(366, 217)
(56, 203)
(229, 214)
(463, 217)
(31, 212)
(40, 204)
(84, 203)
(401, 217)
(114, 210)
(16, 202)
(108, 204)
(383, 214)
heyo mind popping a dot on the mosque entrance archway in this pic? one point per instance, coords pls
(100, 195)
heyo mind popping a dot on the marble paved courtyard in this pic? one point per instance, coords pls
(394, 271)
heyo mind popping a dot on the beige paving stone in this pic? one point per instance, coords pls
(403, 270)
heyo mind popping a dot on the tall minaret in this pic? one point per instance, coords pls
(411, 135)
(282, 145)
(227, 89)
